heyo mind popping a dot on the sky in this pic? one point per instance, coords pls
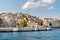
(41, 8)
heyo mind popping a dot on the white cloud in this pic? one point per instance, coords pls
(39, 3)
(30, 0)
(30, 4)
(48, 1)
(51, 8)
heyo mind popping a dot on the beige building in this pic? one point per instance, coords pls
(32, 24)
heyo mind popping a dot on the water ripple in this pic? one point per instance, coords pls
(41, 35)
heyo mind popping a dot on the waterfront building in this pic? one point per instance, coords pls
(32, 24)
(52, 22)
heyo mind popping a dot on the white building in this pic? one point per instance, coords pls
(52, 22)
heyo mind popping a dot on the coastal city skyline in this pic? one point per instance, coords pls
(41, 8)
(29, 20)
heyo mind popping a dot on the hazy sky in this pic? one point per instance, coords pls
(41, 8)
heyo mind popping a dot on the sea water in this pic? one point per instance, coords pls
(36, 35)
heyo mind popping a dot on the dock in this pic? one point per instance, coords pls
(23, 29)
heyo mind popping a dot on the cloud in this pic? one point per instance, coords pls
(51, 8)
(39, 3)
(30, 4)
(48, 1)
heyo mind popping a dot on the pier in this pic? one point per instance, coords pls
(10, 29)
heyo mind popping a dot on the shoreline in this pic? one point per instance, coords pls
(23, 29)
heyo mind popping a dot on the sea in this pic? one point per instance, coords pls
(36, 35)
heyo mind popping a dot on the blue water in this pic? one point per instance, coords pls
(40, 35)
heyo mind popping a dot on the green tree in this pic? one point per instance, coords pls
(25, 24)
